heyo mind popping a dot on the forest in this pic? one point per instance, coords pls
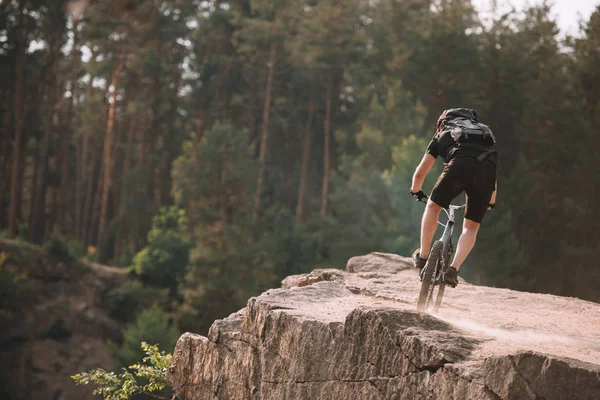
(215, 147)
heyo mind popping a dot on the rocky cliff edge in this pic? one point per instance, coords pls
(355, 334)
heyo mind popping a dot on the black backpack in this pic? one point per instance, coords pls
(467, 131)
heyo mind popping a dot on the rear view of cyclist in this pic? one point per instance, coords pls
(467, 148)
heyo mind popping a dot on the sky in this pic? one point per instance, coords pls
(566, 12)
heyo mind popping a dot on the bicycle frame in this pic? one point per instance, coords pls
(446, 238)
(433, 272)
(449, 227)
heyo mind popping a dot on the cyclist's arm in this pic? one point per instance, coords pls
(421, 172)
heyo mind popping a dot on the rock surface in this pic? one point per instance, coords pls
(355, 334)
(60, 328)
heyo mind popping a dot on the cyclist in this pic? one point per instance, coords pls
(470, 168)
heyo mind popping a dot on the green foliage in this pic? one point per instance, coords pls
(248, 258)
(498, 250)
(190, 111)
(287, 245)
(375, 213)
(146, 377)
(227, 268)
(235, 256)
(446, 70)
(76, 249)
(57, 246)
(129, 299)
(163, 262)
(152, 325)
(251, 257)
(214, 179)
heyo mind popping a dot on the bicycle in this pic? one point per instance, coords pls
(438, 262)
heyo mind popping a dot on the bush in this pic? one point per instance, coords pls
(126, 301)
(152, 325)
(163, 262)
(141, 378)
(76, 249)
(57, 246)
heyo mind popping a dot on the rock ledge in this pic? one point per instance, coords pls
(355, 334)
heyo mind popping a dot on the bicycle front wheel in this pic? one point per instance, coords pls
(440, 295)
(429, 275)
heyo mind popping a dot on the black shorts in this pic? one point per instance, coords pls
(476, 179)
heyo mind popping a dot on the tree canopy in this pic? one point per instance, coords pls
(233, 143)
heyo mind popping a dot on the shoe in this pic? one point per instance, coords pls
(418, 262)
(451, 277)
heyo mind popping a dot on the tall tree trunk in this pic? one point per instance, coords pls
(79, 185)
(34, 180)
(15, 184)
(300, 213)
(84, 173)
(54, 213)
(152, 139)
(265, 124)
(108, 159)
(120, 152)
(326, 158)
(38, 219)
(200, 129)
(93, 174)
(140, 186)
(92, 235)
(6, 160)
(27, 126)
(65, 193)
(171, 147)
(124, 227)
(36, 170)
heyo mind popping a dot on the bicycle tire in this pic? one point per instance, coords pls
(439, 297)
(429, 276)
(442, 285)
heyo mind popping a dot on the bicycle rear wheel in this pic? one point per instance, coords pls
(429, 276)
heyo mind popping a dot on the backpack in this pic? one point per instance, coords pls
(467, 131)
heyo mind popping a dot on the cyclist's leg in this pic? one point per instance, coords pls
(478, 192)
(448, 186)
(428, 227)
(465, 242)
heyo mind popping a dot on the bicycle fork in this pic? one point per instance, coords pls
(447, 241)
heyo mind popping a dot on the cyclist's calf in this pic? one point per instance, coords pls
(465, 242)
(429, 226)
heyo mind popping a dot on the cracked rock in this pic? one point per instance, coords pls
(356, 334)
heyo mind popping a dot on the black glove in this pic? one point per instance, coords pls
(491, 206)
(419, 195)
